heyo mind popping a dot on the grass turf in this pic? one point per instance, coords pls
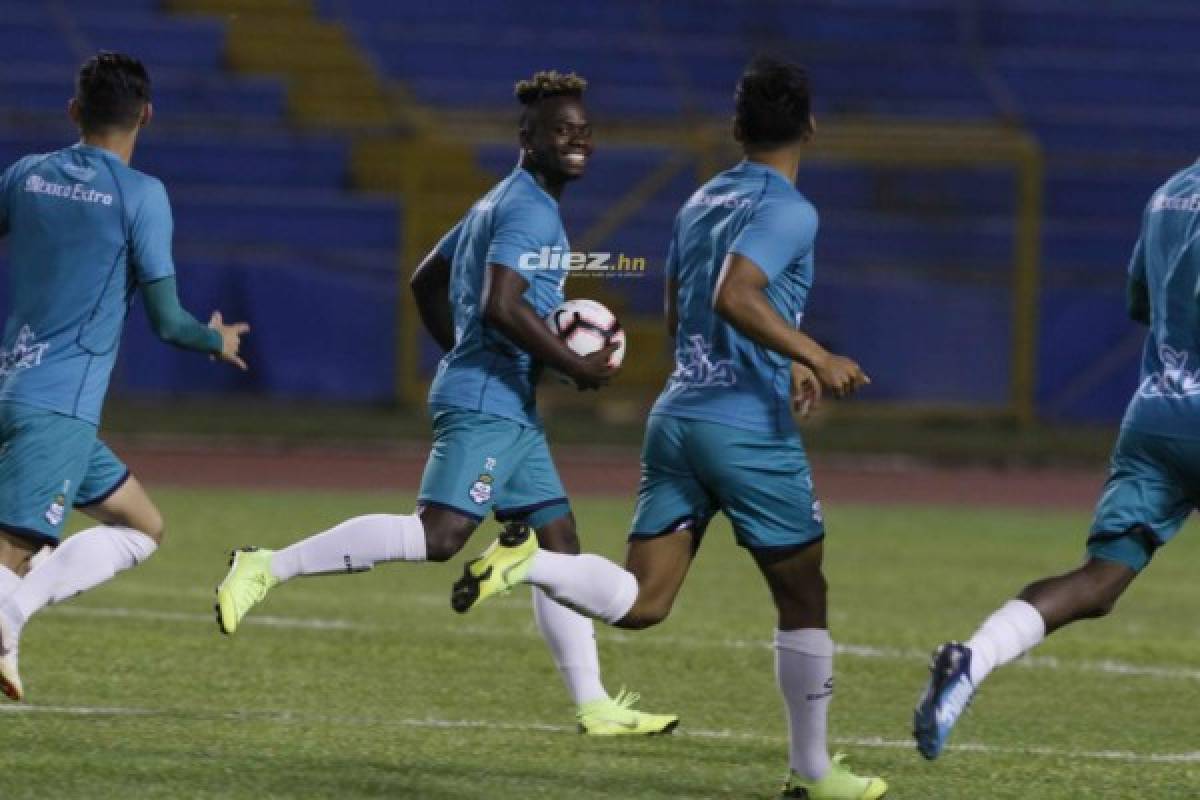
(370, 686)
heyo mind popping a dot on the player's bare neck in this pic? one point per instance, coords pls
(552, 186)
(782, 159)
(119, 143)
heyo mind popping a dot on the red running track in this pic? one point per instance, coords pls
(587, 471)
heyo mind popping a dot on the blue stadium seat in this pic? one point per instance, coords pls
(296, 161)
(284, 217)
(46, 87)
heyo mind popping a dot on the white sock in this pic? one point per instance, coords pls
(1011, 632)
(589, 584)
(8, 581)
(804, 670)
(40, 557)
(572, 641)
(87, 559)
(353, 546)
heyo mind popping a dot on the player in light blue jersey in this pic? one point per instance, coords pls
(483, 295)
(721, 436)
(1154, 474)
(85, 233)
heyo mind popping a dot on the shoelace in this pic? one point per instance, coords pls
(626, 700)
(257, 588)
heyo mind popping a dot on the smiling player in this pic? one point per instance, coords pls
(85, 233)
(721, 436)
(484, 302)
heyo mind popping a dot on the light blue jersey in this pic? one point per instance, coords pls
(83, 231)
(720, 375)
(1164, 284)
(516, 225)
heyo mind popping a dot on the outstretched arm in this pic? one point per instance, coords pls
(174, 325)
(741, 301)
(150, 257)
(505, 308)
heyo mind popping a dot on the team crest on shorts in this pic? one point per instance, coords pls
(57, 510)
(481, 489)
(817, 514)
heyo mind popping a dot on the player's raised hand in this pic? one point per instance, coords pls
(806, 390)
(593, 370)
(840, 375)
(231, 339)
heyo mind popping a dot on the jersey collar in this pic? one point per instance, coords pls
(763, 169)
(99, 151)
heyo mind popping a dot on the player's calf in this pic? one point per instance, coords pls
(647, 612)
(1089, 592)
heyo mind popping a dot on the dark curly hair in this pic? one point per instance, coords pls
(548, 83)
(772, 102)
(111, 90)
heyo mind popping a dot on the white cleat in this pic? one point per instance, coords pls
(10, 678)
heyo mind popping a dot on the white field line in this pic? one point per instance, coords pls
(1051, 663)
(302, 718)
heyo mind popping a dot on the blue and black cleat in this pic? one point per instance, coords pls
(946, 697)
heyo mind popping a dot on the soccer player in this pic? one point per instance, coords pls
(483, 297)
(721, 436)
(1153, 480)
(85, 233)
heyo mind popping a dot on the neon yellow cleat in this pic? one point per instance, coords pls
(617, 717)
(245, 586)
(10, 678)
(839, 784)
(502, 566)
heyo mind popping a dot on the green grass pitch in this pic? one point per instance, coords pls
(370, 686)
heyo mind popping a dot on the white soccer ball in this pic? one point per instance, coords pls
(587, 326)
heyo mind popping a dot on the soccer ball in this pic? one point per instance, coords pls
(587, 326)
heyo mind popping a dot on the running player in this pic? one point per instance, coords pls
(1154, 475)
(85, 233)
(483, 297)
(721, 436)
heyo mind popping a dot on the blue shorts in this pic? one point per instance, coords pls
(50, 463)
(691, 469)
(1153, 484)
(481, 463)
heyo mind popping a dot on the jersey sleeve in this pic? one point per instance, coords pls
(776, 234)
(150, 235)
(449, 243)
(522, 228)
(172, 323)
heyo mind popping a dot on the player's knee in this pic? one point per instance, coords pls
(645, 615)
(153, 525)
(445, 532)
(443, 543)
(441, 547)
(1100, 603)
(560, 536)
(1098, 588)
